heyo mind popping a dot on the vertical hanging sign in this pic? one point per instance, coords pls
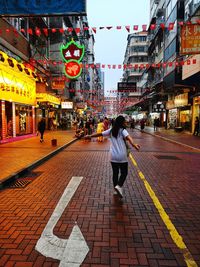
(72, 54)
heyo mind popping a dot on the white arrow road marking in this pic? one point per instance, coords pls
(71, 252)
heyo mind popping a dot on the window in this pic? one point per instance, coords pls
(173, 3)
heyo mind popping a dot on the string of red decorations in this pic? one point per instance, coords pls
(122, 104)
(94, 91)
(46, 31)
(108, 91)
(124, 66)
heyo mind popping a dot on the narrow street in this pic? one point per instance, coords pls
(155, 224)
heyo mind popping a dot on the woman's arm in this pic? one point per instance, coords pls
(93, 135)
(130, 139)
(104, 133)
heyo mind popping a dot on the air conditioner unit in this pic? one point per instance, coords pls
(160, 12)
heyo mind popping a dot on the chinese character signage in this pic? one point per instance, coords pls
(126, 87)
(181, 100)
(190, 39)
(72, 54)
(58, 85)
(42, 7)
(67, 105)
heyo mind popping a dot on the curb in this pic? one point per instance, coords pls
(28, 168)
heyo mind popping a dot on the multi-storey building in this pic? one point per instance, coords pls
(135, 60)
(31, 70)
(77, 89)
(155, 94)
(22, 46)
(191, 73)
(170, 89)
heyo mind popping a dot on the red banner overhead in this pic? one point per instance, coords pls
(42, 7)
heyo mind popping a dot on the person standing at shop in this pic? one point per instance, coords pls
(100, 129)
(142, 125)
(156, 124)
(196, 126)
(41, 129)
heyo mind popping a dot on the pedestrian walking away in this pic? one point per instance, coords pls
(100, 129)
(41, 129)
(132, 126)
(142, 125)
(118, 151)
(196, 126)
(156, 123)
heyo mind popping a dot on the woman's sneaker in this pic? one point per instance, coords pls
(119, 190)
(115, 192)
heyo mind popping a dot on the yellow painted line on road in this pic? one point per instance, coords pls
(176, 237)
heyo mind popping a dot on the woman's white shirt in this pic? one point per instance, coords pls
(118, 151)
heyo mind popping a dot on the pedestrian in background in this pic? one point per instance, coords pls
(106, 123)
(132, 126)
(100, 129)
(142, 124)
(156, 123)
(196, 126)
(118, 151)
(41, 129)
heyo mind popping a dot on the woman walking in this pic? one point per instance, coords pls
(41, 129)
(100, 129)
(118, 151)
(196, 126)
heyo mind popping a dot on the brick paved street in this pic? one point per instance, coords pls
(128, 232)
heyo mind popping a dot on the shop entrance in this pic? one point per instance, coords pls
(9, 119)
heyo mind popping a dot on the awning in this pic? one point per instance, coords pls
(44, 97)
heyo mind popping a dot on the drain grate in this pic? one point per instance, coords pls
(22, 182)
(167, 157)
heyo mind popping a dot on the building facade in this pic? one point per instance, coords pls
(172, 79)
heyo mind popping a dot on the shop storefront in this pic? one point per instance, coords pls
(179, 112)
(67, 115)
(48, 107)
(172, 118)
(196, 109)
(159, 112)
(184, 118)
(17, 100)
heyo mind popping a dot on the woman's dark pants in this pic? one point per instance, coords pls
(123, 168)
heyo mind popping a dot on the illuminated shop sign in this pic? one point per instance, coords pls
(58, 85)
(126, 87)
(16, 87)
(190, 36)
(181, 100)
(72, 54)
(197, 100)
(67, 105)
(44, 97)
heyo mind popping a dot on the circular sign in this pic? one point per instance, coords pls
(73, 69)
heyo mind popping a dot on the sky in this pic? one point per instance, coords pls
(110, 45)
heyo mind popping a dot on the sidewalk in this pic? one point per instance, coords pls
(23, 155)
(182, 138)
(18, 157)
